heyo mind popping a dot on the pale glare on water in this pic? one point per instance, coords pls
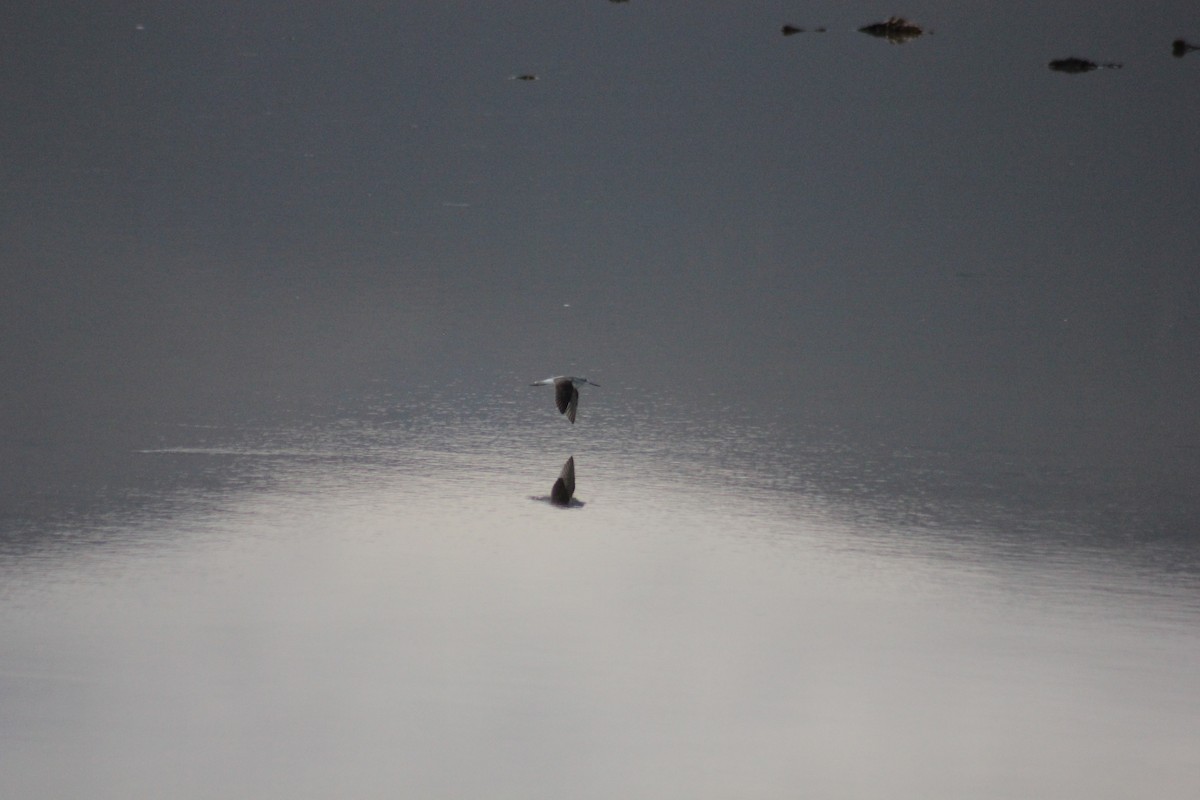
(382, 617)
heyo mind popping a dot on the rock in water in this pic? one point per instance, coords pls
(896, 30)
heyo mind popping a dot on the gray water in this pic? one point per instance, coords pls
(888, 489)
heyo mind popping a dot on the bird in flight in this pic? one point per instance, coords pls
(566, 393)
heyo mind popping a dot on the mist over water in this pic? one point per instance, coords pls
(888, 486)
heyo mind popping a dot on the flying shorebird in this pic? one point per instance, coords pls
(566, 396)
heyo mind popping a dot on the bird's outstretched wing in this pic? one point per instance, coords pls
(566, 397)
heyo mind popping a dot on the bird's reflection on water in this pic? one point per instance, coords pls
(562, 493)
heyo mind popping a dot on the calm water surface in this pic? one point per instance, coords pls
(889, 486)
(376, 605)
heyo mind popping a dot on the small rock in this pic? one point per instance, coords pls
(1074, 66)
(896, 30)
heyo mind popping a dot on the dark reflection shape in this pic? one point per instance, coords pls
(1074, 66)
(564, 488)
(1180, 48)
(566, 396)
(562, 494)
(896, 30)
(791, 30)
(526, 76)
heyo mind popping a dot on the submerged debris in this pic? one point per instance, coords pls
(896, 30)
(1074, 66)
(1180, 48)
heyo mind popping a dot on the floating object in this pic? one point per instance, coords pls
(566, 395)
(563, 490)
(1074, 66)
(791, 30)
(526, 76)
(896, 30)
(1180, 48)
